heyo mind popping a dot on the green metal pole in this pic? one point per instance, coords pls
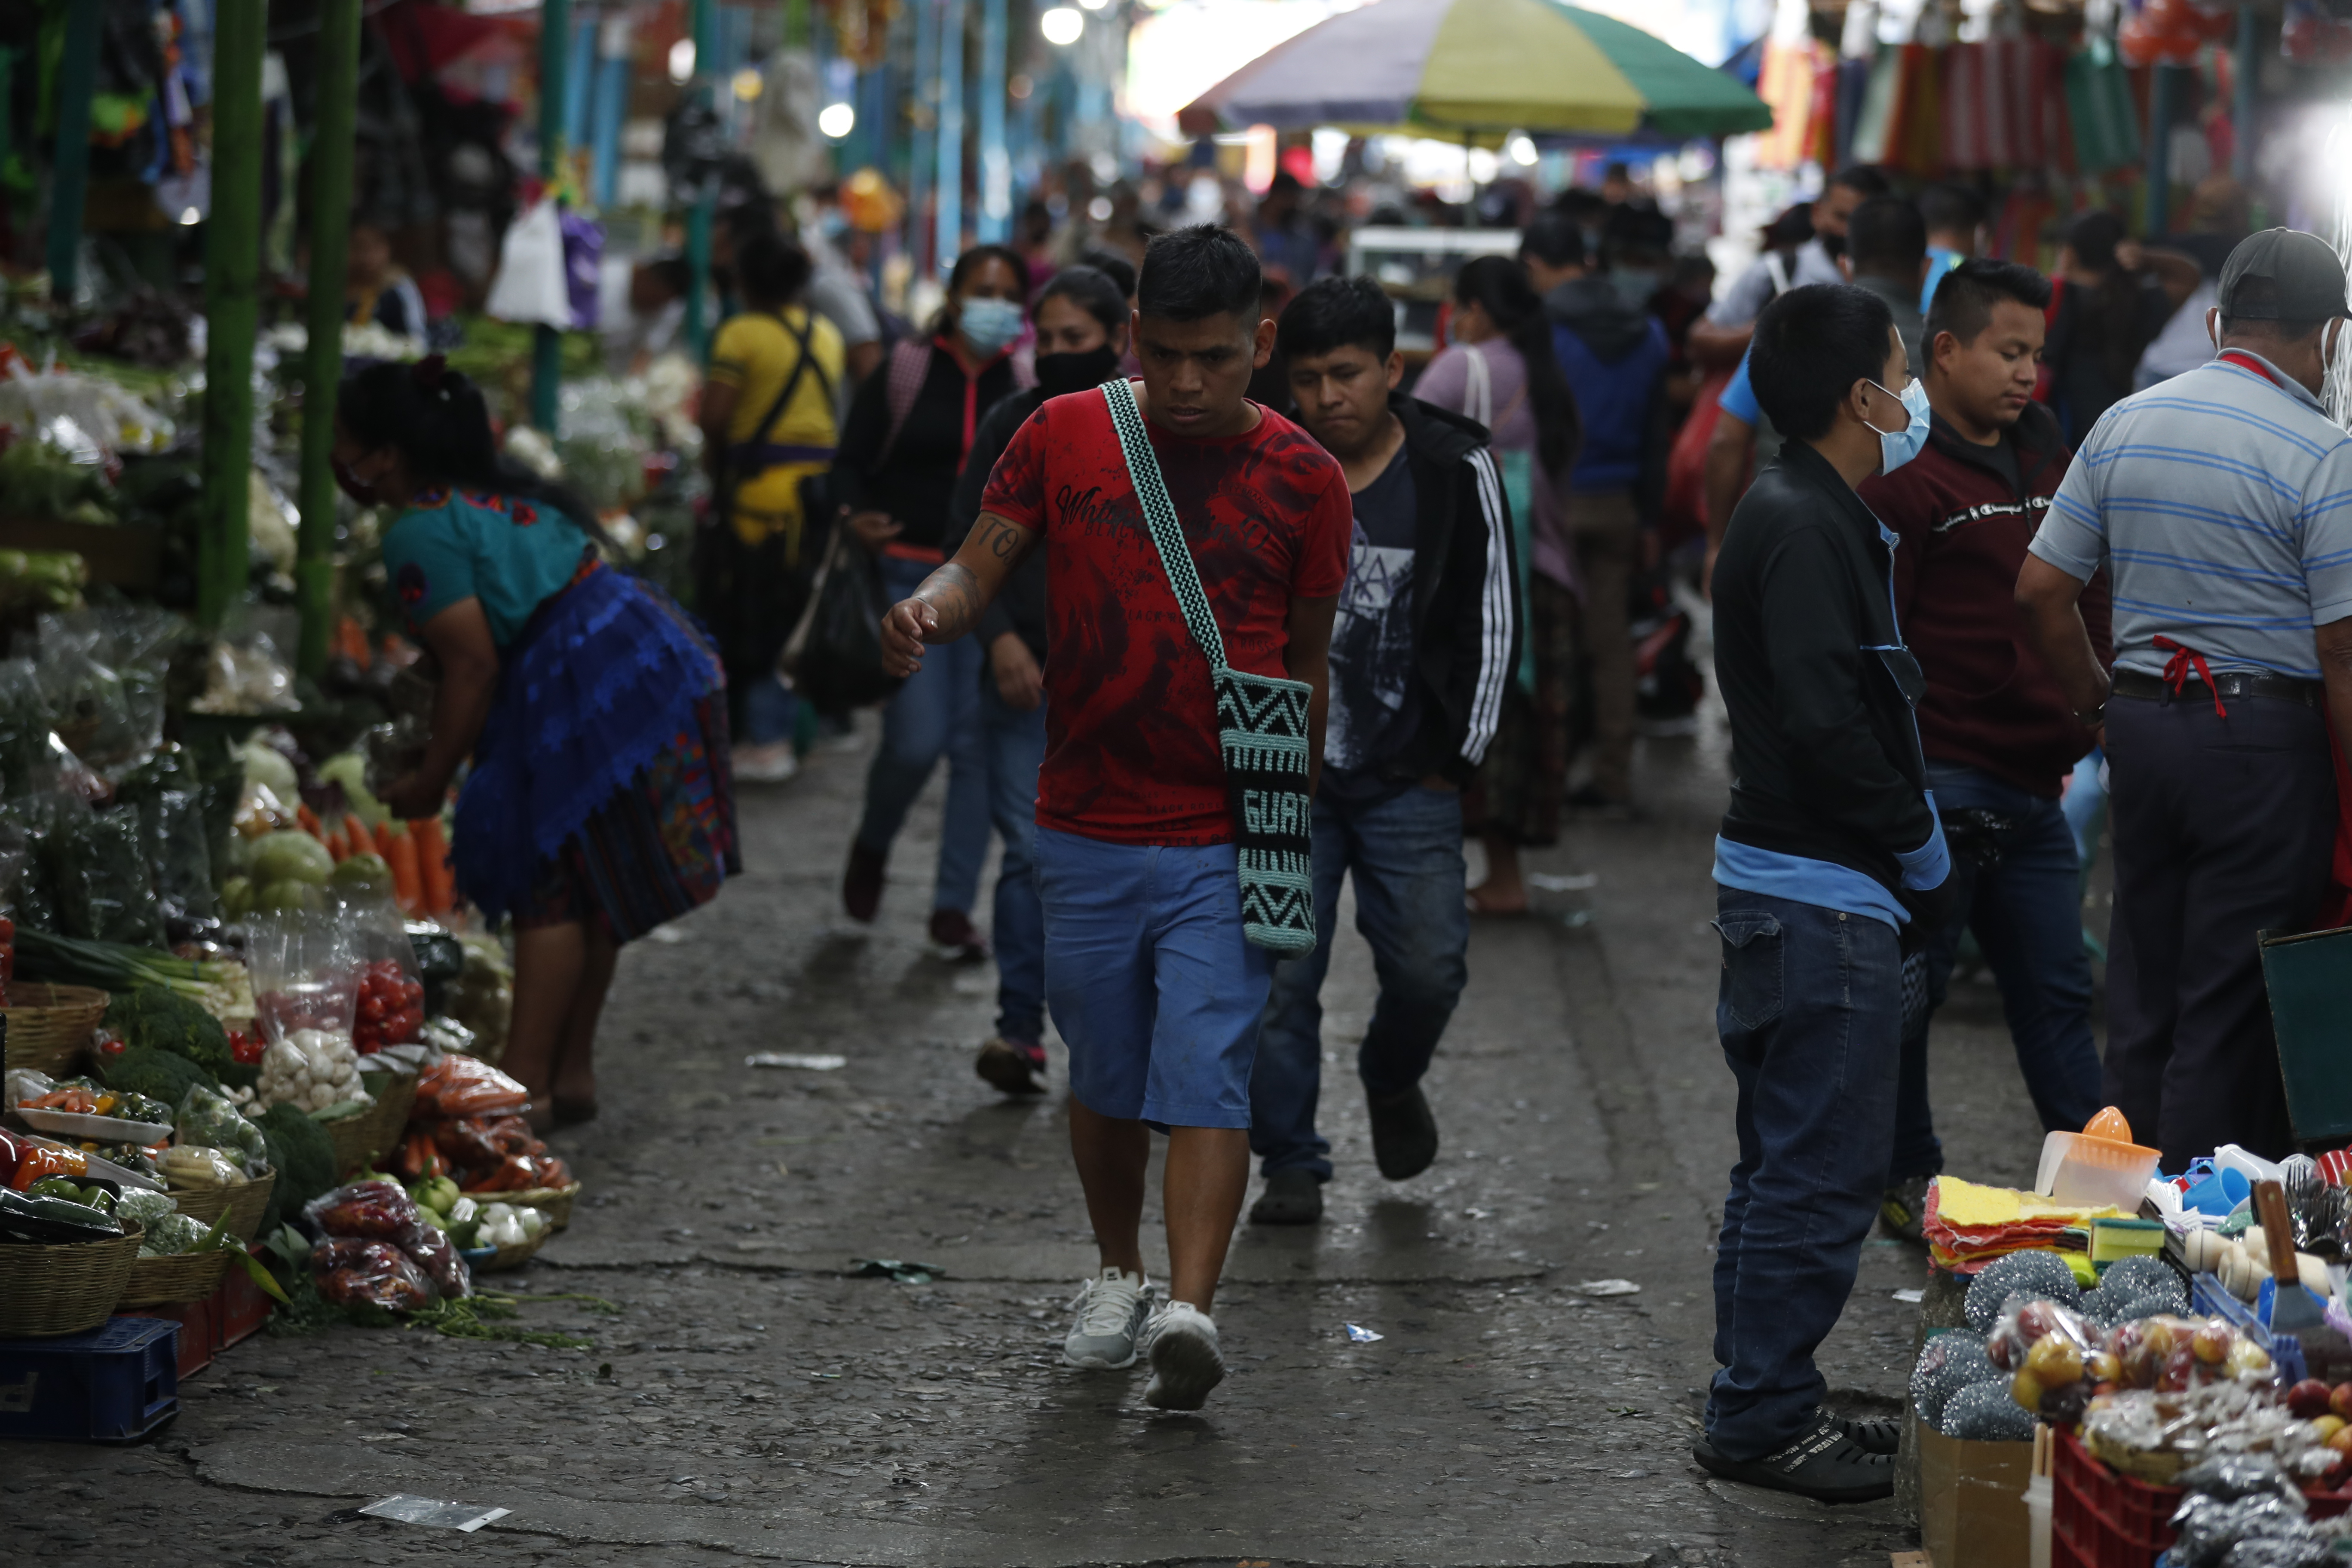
(554, 69)
(231, 303)
(703, 17)
(69, 181)
(322, 363)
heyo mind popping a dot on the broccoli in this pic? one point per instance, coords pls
(159, 1017)
(157, 1074)
(304, 1155)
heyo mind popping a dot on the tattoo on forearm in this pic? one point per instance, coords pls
(996, 536)
(954, 595)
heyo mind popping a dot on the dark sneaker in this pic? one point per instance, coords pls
(861, 883)
(1404, 1134)
(1875, 1434)
(1013, 1067)
(954, 937)
(1824, 1465)
(1904, 1210)
(1291, 1198)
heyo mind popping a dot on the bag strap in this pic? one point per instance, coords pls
(801, 367)
(1159, 517)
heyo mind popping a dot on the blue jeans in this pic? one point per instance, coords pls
(1150, 980)
(936, 714)
(1809, 1008)
(2027, 916)
(1016, 746)
(1406, 857)
(771, 711)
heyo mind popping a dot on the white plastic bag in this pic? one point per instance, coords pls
(530, 285)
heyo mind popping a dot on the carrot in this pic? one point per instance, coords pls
(309, 821)
(361, 841)
(383, 839)
(339, 846)
(406, 889)
(433, 865)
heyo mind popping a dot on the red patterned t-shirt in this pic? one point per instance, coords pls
(1131, 719)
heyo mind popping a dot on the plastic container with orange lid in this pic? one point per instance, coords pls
(2099, 1165)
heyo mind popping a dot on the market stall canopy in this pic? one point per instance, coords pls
(1477, 69)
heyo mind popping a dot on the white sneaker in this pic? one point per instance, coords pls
(1185, 1364)
(770, 763)
(1112, 1310)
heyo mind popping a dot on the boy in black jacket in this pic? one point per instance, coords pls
(1829, 864)
(1424, 641)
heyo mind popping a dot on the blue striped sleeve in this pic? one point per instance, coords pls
(2072, 537)
(2326, 523)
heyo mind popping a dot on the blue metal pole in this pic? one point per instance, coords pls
(995, 158)
(918, 171)
(612, 104)
(581, 83)
(951, 229)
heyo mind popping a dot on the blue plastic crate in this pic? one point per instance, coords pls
(113, 1385)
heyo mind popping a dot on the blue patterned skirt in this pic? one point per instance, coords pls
(601, 788)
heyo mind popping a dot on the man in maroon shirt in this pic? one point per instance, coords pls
(1148, 975)
(1999, 735)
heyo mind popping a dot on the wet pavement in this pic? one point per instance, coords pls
(753, 1399)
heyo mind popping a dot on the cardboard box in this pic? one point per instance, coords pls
(1972, 1502)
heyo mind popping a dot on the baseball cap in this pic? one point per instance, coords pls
(2306, 275)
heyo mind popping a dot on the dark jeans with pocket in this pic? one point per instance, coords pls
(2027, 914)
(1810, 1010)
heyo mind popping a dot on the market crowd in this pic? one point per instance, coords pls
(1209, 602)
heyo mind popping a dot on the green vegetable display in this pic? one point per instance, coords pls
(144, 1069)
(157, 1017)
(38, 480)
(42, 579)
(303, 1154)
(290, 855)
(116, 966)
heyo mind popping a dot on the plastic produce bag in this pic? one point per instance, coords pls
(211, 1119)
(530, 285)
(88, 705)
(352, 1273)
(380, 1211)
(179, 855)
(389, 1008)
(24, 727)
(97, 868)
(464, 1087)
(306, 974)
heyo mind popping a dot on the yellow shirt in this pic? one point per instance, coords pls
(755, 355)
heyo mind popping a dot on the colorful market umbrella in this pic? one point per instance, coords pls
(1476, 70)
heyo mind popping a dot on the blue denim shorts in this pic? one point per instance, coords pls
(1149, 979)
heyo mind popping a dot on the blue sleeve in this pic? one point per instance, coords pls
(1927, 866)
(1739, 397)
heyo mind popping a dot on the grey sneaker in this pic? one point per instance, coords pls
(1185, 1364)
(1112, 1310)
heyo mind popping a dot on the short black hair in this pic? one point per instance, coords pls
(1812, 345)
(772, 266)
(1636, 229)
(1863, 179)
(2262, 293)
(1553, 238)
(1964, 296)
(1948, 207)
(673, 272)
(1090, 290)
(1791, 228)
(1190, 274)
(1334, 314)
(978, 255)
(1113, 265)
(1886, 237)
(2093, 237)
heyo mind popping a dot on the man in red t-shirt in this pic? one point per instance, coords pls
(1148, 973)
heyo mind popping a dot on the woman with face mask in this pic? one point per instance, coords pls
(908, 433)
(600, 803)
(1081, 322)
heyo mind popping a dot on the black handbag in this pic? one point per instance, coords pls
(835, 654)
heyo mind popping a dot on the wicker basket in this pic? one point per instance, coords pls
(49, 1026)
(244, 1204)
(362, 1140)
(511, 1257)
(168, 1281)
(555, 1203)
(67, 1288)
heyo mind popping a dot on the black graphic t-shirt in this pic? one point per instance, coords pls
(1374, 702)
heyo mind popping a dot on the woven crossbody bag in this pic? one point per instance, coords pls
(1262, 732)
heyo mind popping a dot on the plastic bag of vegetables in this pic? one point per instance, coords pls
(306, 969)
(353, 1273)
(172, 1235)
(189, 1165)
(98, 868)
(210, 1120)
(311, 1069)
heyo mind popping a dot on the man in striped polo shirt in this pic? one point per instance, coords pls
(2220, 502)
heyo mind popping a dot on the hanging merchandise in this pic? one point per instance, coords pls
(1821, 135)
(1880, 105)
(2310, 37)
(791, 153)
(2100, 112)
(1786, 83)
(1920, 149)
(1968, 121)
(530, 285)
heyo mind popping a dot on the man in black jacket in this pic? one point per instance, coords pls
(1828, 865)
(1424, 641)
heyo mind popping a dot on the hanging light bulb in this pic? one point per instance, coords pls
(681, 61)
(836, 119)
(1062, 26)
